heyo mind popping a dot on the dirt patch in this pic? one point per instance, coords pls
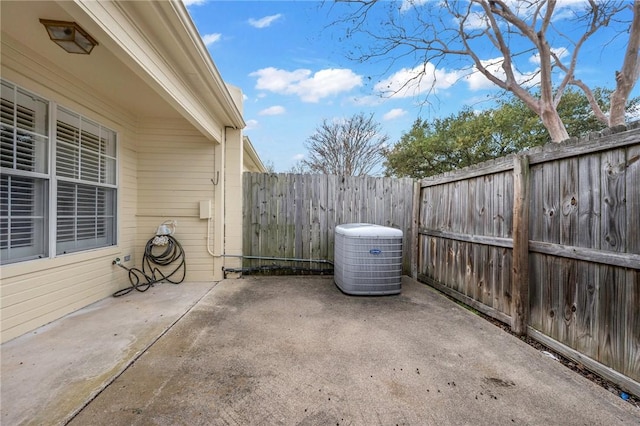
(499, 382)
(577, 367)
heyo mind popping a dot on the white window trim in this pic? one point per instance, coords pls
(52, 182)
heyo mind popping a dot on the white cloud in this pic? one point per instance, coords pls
(298, 157)
(209, 39)
(277, 80)
(561, 52)
(264, 22)
(477, 81)
(309, 87)
(273, 110)
(475, 21)
(368, 100)
(188, 3)
(422, 79)
(393, 114)
(251, 124)
(568, 9)
(327, 82)
(425, 79)
(408, 4)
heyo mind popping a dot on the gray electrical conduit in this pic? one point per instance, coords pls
(282, 259)
(278, 267)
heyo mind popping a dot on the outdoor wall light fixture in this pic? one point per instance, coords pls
(70, 36)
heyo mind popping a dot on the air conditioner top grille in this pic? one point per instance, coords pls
(367, 230)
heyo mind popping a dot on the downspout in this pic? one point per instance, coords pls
(216, 181)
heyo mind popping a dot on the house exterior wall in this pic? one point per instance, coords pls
(39, 291)
(233, 199)
(176, 171)
(179, 143)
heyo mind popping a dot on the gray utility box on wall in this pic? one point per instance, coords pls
(368, 259)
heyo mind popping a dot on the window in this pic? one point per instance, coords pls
(24, 178)
(86, 179)
(81, 184)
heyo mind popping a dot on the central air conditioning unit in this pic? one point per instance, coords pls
(368, 259)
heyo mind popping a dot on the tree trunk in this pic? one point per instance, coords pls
(618, 103)
(626, 78)
(553, 123)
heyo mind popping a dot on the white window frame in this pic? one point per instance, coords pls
(51, 180)
(82, 244)
(39, 176)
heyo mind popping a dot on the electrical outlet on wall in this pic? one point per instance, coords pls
(127, 258)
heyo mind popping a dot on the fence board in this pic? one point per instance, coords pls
(290, 222)
(613, 307)
(331, 201)
(261, 219)
(588, 237)
(486, 253)
(520, 276)
(568, 223)
(631, 363)
(632, 342)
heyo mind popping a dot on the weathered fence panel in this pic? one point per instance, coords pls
(582, 281)
(293, 216)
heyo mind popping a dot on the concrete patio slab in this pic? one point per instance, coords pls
(295, 350)
(51, 373)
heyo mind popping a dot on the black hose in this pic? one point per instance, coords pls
(142, 279)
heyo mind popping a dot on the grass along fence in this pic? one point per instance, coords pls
(293, 216)
(548, 241)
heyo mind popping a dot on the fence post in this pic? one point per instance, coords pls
(415, 237)
(520, 271)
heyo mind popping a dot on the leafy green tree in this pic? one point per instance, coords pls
(470, 137)
(445, 144)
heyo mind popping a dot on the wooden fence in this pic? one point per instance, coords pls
(293, 216)
(548, 241)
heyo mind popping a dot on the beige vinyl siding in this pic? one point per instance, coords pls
(41, 297)
(175, 169)
(127, 206)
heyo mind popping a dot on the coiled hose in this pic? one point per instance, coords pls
(142, 279)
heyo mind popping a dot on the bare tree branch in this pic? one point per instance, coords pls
(439, 33)
(347, 147)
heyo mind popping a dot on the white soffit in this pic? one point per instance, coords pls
(100, 75)
(158, 42)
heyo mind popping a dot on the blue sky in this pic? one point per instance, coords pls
(292, 67)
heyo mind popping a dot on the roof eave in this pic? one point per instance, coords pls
(159, 42)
